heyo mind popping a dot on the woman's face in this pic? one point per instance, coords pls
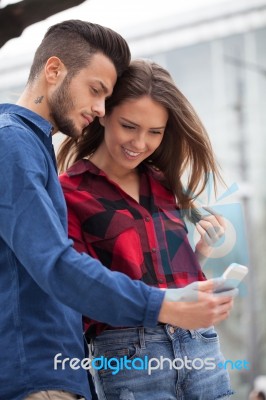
(133, 131)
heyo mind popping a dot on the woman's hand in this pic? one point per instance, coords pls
(211, 228)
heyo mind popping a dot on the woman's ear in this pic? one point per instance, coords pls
(102, 121)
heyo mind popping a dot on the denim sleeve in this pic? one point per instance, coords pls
(36, 239)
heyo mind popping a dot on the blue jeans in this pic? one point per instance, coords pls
(164, 363)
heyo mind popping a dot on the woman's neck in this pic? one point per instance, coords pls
(127, 180)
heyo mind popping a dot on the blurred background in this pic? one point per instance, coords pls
(216, 52)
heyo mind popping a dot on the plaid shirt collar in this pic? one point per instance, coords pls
(162, 196)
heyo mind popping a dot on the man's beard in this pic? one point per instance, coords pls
(60, 105)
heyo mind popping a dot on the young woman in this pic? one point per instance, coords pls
(127, 198)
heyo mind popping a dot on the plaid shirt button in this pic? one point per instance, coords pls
(153, 250)
(147, 219)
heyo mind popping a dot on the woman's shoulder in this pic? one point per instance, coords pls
(73, 174)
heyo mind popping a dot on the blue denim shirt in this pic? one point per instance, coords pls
(45, 285)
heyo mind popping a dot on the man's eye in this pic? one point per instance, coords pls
(128, 126)
(95, 91)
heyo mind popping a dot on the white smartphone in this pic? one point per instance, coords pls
(233, 276)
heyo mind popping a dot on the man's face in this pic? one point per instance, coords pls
(75, 102)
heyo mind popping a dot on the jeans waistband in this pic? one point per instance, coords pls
(162, 332)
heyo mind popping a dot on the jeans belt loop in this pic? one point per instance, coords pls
(91, 346)
(142, 337)
(192, 333)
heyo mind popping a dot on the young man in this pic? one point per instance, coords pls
(45, 285)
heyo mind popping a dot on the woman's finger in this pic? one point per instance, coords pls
(218, 216)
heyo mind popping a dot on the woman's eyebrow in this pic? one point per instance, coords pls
(134, 123)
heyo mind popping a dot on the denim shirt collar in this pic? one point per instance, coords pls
(45, 126)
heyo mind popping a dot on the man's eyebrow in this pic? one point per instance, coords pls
(104, 88)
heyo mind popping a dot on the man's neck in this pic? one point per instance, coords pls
(35, 100)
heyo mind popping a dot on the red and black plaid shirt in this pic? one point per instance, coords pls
(146, 240)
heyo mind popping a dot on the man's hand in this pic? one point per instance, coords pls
(198, 306)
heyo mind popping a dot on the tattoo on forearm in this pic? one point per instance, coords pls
(38, 100)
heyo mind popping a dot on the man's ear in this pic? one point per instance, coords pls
(102, 121)
(55, 70)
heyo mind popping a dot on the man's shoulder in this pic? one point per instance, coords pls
(9, 120)
(14, 116)
(17, 141)
(12, 131)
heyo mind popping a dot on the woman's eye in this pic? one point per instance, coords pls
(156, 132)
(95, 91)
